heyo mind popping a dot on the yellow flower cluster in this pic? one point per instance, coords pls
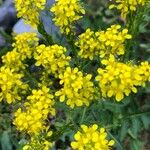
(12, 60)
(39, 142)
(52, 58)
(29, 10)
(66, 13)
(102, 43)
(25, 44)
(23, 48)
(33, 118)
(77, 89)
(88, 44)
(115, 79)
(119, 79)
(112, 40)
(11, 86)
(45, 79)
(144, 71)
(91, 138)
(127, 6)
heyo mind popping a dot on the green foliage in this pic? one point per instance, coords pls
(5, 141)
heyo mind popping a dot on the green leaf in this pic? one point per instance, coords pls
(124, 130)
(3, 51)
(21, 143)
(131, 134)
(5, 141)
(136, 145)
(117, 142)
(146, 121)
(136, 124)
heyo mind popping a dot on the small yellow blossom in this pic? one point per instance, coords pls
(39, 142)
(52, 58)
(119, 79)
(112, 40)
(88, 44)
(37, 108)
(25, 44)
(29, 10)
(66, 13)
(12, 60)
(11, 85)
(127, 6)
(144, 72)
(102, 43)
(91, 138)
(77, 89)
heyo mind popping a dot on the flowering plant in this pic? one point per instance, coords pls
(82, 92)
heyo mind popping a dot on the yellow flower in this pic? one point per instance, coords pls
(91, 138)
(23, 48)
(88, 44)
(112, 40)
(25, 44)
(29, 10)
(52, 58)
(77, 89)
(127, 6)
(39, 142)
(102, 43)
(13, 60)
(66, 13)
(11, 86)
(39, 104)
(119, 79)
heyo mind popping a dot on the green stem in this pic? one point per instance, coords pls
(117, 142)
(94, 116)
(112, 126)
(70, 40)
(133, 23)
(137, 115)
(83, 115)
(61, 131)
(70, 119)
(5, 35)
